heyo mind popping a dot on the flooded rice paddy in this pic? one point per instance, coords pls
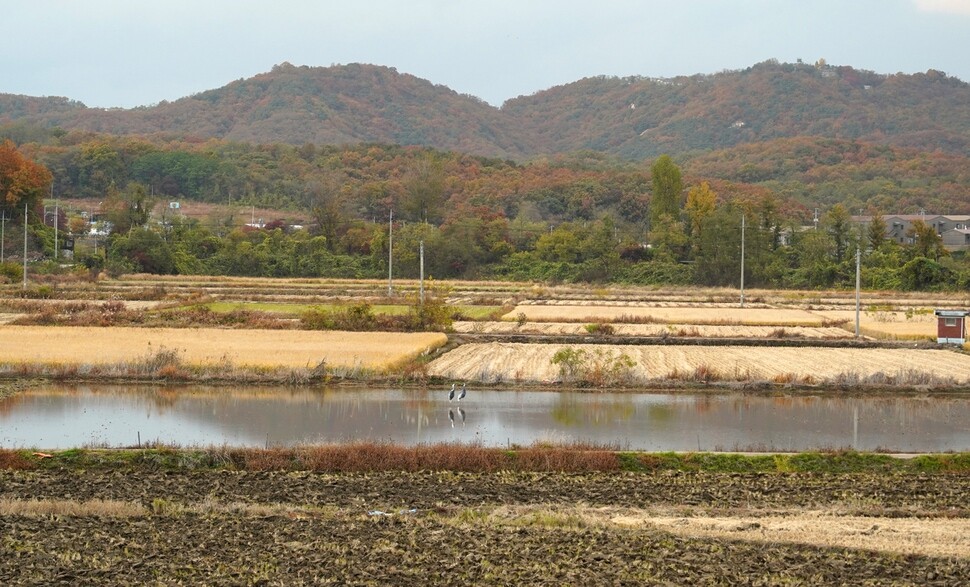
(66, 416)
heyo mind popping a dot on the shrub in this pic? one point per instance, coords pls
(600, 368)
(357, 317)
(600, 328)
(12, 271)
(432, 314)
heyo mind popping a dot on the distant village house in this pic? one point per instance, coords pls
(954, 229)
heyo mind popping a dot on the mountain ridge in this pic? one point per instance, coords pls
(631, 117)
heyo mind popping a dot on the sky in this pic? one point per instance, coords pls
(126, 53)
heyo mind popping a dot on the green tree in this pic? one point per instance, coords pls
(922, 273)
(98, 166)
(718, 247)
(425, 189)
(144, 249)
(814, 257)
(838, 225)
(667, 187)
(701, 200)
(328, 202)
(926, 241)
(128, 209)
(668, 238)
(877, 231)
(563, 244)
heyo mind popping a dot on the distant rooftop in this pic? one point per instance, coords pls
(912, 217)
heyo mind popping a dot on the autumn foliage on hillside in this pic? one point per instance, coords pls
(632, 117)
(22, 180)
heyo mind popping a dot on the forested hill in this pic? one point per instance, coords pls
(337, 105)
(639, 117)
(634, 118)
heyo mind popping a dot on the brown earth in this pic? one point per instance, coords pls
(229, 528)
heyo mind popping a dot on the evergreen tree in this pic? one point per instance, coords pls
(877, 231)
(667, 186)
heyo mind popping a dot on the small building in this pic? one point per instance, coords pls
(951, 326)
(956, 239)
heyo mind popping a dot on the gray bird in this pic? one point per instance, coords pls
(463, 391)
(451, 394)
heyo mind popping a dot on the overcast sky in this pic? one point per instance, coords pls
(138, 52)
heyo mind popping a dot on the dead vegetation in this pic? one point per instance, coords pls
(71, 347)
(842, 367)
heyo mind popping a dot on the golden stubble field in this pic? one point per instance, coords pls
(592, 312)
(888, 325)
(533, 362)
(688, 330)
(210, 346)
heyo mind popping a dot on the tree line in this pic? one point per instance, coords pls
(578, 219)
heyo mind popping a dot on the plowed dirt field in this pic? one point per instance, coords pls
(222, 528)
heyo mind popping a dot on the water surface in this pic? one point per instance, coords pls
(59, 416)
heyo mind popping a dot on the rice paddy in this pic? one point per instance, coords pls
(213, 346)
(534, 363)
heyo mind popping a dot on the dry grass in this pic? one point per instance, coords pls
(914, 536)
(935, 537)
(682, 315)
(679, 330)
(887, 324)
(497, 362)
(211, 346)
(63, 507)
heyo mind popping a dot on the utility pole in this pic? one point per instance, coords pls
(858, 282)
(55, 221)
(742, 260)
(421, 256)
(3, 228)
(390, 253)
(25, 245)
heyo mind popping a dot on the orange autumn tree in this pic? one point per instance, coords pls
(22, 181)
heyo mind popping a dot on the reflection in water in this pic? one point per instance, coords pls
(69, 416)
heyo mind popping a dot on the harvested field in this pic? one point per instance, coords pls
(888, 325)
(940, 537)
(691, 330)
(909, 495)
(494, 362)
(211, 346)
(224, 527)
(594, 312)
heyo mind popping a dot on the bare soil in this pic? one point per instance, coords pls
(472, 528)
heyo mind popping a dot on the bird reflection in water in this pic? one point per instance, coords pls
(461, 415)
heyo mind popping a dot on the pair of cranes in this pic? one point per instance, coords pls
(461, 393)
